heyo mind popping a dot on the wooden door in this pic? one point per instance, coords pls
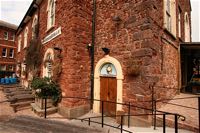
(108, 92)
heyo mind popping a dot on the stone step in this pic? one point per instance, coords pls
(18, 93)
(21, 105)
(40, 112)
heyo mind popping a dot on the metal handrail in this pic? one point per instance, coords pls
(123, 104)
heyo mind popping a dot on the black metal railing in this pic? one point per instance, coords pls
(154, 102)
(129, 105)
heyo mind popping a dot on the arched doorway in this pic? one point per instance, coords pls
(108, 87)
(108, 84)
(47, 61)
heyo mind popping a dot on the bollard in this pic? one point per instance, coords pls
(164, 123)
(122, 117)
(102, 119)
(45, 107)
(176, 123)
(129, 113)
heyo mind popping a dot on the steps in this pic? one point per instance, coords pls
(18, 97)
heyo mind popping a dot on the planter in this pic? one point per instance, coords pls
(134, 70)
(41, 102)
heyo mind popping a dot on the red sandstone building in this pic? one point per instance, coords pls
(141, 46)
(7, 46)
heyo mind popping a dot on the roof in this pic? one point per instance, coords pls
(8, 25)
(33, 7)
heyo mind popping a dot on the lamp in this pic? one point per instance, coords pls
(57, 48)
(106, 50)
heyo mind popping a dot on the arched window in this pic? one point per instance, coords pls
(25, 37)
(108, 69)
(187, 28)
(34, 26)
(19, 43)
(51, 14)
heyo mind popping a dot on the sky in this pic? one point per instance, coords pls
(13, 11)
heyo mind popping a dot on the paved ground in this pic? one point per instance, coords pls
(25, 121)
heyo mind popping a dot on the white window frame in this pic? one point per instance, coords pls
(170, 16)
(51, 14)
(19, 44)
(187, 27)
(4, 53)
(34, 23)
(179, 22)
(12, 53)
(3, 67)
(13, 37)
(5, 35)
(26, 37)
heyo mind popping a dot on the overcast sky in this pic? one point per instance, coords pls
(13, 11)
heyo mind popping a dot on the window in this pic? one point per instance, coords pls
(4, 52)
(170, 16)
(51, 14)
(13, 37)
(10, 67)
(3, 67)
(6, 35)
(179, 22)
(19, 43)
(34, 27)
(25, 37)
(187, 28)
(11, 53)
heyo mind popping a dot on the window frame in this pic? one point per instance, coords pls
(12, 53)
(19, 44)
(12, 37)
(170, 17)
(51, 14)
(26, 37)
(179, 22)
(3, 52)
(5, 35)
(3, 66)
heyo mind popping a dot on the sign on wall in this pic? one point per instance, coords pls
(52, 35)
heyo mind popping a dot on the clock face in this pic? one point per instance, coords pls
(109, 69)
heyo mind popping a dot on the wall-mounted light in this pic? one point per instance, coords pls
(106, 50)
(57, 48)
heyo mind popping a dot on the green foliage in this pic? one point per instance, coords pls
(33, 55)
(45, 87)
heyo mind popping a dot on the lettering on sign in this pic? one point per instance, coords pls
(52, 35)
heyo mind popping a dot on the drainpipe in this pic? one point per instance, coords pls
(92, 52)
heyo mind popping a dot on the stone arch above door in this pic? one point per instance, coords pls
(119, 77)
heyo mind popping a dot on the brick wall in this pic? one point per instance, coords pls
(132, 30)
(8, 44)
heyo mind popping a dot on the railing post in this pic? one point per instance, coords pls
(89, 122)
(122, 117)
(176, 123)
(154, 115)
(199, 111)
(45, 107)
(164, 124)
(129, 113)
(102, 113)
